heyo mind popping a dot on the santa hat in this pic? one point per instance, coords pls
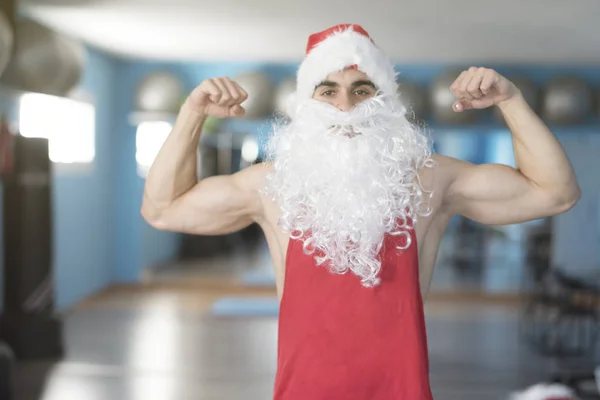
(543, 391)
(340, 47)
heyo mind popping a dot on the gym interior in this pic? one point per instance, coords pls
(97, 304)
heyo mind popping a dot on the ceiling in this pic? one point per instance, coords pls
(414, 31)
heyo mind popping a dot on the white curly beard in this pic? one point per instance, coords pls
(345, 179)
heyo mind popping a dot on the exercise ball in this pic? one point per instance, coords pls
(283, 96)
(528, 89)
(414, 98)
(159, 91)
(567, 100)
(441, 99)
(43, 60)
(6, 42)
(260, 94)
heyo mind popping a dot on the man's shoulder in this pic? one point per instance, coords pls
(254, 177)
(446, 168)
(436, 172)
(439, 177)
(262, 168)
(444, 161)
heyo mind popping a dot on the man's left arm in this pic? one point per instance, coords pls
(544, 183)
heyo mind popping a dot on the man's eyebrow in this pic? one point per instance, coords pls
(328, 84)
(355, 84)
(363, 82)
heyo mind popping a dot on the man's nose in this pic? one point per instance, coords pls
(345, 103)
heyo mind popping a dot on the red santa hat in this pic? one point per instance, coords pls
(340, 47)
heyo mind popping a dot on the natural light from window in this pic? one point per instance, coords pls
(69, 126)
(149, 138)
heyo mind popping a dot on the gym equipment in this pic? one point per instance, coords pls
(561, 319)
(538, 245)
(441, 99)
(159, 91)
(260, 94)
(567, 100)
(28, 324)
(6, 42)
(7, 361)
(598, 115)
(470, 247)
(207, 158)
(282, 96)
(6, 146)
(43, 60)
(531, 94)
(6, 354)
(414, 97)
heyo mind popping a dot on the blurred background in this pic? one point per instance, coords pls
(96, 304)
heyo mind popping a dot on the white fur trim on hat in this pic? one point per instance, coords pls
(340, 50)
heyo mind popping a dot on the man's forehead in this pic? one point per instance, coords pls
(349, 80)
(347, 74)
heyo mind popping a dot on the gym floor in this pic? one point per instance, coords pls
(159, 342)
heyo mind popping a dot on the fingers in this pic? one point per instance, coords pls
(238, 94)
(214, 92)
(225, 92)
(472, 86)
(468, 81)
(488, 81)
(457, 83)
(226, 98)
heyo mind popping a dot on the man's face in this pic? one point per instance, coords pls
(345, 89)
(348, 193)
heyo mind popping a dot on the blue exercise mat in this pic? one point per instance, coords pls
(246, 306)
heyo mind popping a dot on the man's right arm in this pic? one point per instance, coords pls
(174, 200)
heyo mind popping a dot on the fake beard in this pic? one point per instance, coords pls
(345, 179)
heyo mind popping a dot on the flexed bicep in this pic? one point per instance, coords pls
(495, 194)
(216, 205)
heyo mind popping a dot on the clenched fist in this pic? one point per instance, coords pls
(218, 97)
(479, 88)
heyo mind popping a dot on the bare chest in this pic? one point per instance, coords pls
(428, 232)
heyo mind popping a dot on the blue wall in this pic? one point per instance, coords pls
(83, 216)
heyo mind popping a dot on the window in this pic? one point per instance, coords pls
(149, 138)
(69, 126)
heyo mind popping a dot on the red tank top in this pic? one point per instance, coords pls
(339, 340)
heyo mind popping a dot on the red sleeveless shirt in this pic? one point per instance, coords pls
(339, 340)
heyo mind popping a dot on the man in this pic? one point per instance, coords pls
(353, 205)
